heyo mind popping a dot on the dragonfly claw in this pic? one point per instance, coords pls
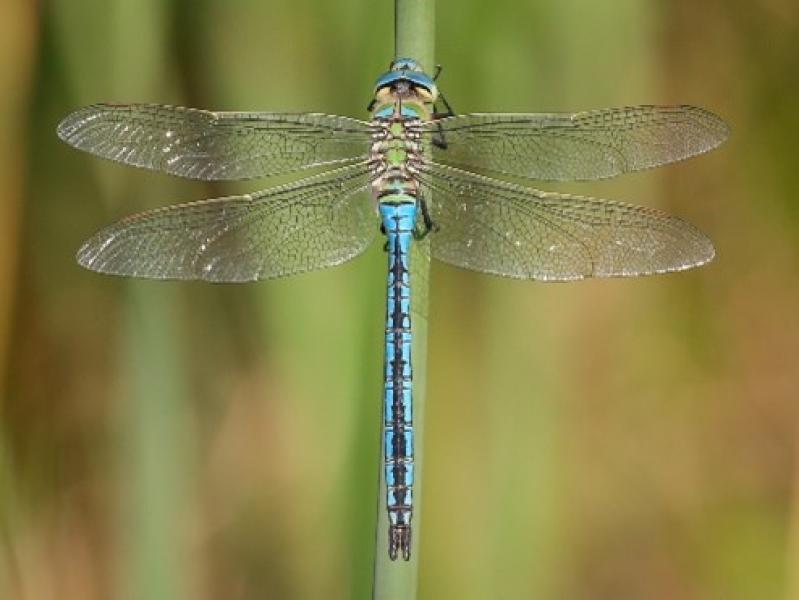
(399, 539)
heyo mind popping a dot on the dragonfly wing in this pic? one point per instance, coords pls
(311, 224)
(509, 230)
(588, 145)
(201, 144)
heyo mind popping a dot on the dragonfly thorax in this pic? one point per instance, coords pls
(396, 155)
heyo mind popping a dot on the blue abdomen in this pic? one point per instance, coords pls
(398, 214)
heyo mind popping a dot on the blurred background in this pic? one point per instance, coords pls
(617, 439)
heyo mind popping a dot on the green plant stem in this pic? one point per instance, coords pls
(153, 438)
(414, 31)
(414, 37)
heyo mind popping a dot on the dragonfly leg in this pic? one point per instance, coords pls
(429, 224)
(439, 141)
(449, 112)
(439, 114)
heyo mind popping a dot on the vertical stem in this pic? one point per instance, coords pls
(153, 444)
(120, 52)
(153, 434)
(18, 30)
(414, 31)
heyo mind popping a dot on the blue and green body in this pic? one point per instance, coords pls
(403, 98)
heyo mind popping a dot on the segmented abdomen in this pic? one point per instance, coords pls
(398, 213)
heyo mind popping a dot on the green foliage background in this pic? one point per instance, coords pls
(602, 440)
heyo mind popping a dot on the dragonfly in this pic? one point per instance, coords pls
(411, 174)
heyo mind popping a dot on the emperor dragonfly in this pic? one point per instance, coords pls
(414, 165)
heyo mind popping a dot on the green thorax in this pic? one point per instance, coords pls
(399, 145)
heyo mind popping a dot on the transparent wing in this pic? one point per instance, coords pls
(513, 231)
(582, 146)
(201, 144)
(314, 223)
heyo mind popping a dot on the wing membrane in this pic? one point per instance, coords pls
(588, 145)
(311, 224)
(513, 231)
(201, 144)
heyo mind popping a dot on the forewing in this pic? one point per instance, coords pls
(201, 144)
(588, 145)
(315, 223)
(509, 230)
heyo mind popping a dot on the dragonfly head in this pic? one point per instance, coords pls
(406, 78)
